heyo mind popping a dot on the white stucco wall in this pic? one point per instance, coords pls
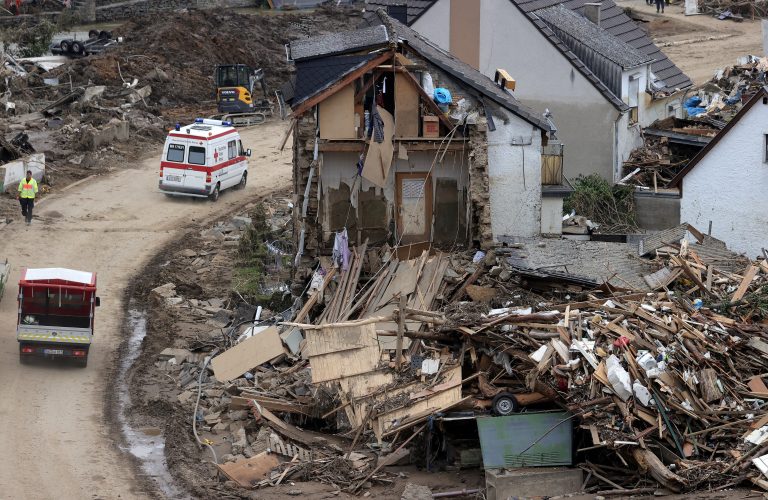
(514, 174)
(585, 120)
(551, 215)
(435, 24)
(729, 185)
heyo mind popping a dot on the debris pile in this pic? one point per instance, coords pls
(669, 145)
(723, 96)
(663, 388)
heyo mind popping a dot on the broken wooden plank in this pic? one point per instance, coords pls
(249, 471)
(247, 355)
(745, 282)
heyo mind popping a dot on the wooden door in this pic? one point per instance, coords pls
(414, 207)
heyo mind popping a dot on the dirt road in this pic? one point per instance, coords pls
(54, 436)
(699, 45)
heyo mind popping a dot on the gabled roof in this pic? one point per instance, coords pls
(566, 22)
(398, 33)
(613, 19)
(759, 96)
(315, 75)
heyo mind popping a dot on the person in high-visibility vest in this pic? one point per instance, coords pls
(26, 196)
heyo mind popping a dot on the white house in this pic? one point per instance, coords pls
(426, 176)
(590, 65)
(724, 186)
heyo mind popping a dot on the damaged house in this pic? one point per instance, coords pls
(377, 156)
(725, 197)
(601, 67)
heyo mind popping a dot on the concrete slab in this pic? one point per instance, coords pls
(12, 172)
(532, 482)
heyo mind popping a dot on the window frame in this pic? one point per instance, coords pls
(189, 155)
(232, 149)
(176, 147)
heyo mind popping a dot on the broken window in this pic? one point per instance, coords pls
(196, 155)
(175, 153)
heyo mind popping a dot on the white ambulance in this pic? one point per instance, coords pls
(203, 159)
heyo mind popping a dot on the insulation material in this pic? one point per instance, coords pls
(378, 160)
(337, 115)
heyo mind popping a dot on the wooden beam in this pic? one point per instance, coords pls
(428, 100)
(317, 98)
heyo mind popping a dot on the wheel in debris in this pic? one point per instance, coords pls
(243, 180)
(105, 35)
(504, 404)
(77, 47)
(215, 194)
(93, 34)
(64, 46)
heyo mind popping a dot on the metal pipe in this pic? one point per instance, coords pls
(456, 493)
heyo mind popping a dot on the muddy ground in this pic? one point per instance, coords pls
(175, 58)
(699, 45)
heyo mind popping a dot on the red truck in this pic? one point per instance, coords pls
(56, 312)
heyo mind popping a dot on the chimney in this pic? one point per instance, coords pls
(592, 12)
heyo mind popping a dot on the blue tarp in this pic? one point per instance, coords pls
(442, 96)
(691, 106)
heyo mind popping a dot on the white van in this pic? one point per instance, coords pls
(203, 159)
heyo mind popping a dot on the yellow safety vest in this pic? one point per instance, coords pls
(27, 189)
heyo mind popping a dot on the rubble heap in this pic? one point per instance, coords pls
(663, 388)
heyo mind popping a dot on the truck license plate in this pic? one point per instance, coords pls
(173, 178)
(53, 351)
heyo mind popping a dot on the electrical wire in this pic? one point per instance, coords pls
(197, 405)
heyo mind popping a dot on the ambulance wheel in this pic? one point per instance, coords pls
(243, 180)
(215, 194)
(504, 404)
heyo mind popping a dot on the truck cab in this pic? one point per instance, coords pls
(56, 314)
(202, 159)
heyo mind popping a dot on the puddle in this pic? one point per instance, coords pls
(147, 443)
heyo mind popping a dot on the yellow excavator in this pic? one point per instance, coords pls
(235, 84)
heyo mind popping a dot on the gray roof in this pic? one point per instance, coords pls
(563, 20)
(415, 7)
(613, 263)
(483, 86)
(338, 43)
(613, 19)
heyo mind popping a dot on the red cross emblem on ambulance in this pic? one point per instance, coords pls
(215, 155)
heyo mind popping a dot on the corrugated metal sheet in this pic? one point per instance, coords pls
(535, 439)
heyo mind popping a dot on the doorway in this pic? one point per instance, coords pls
(414, 207)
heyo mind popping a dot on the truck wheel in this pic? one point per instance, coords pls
(215, 194)
(77, 47)
(82, 362)
(24, 360)
(243, 180)
(93, 34)
(504, 404)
